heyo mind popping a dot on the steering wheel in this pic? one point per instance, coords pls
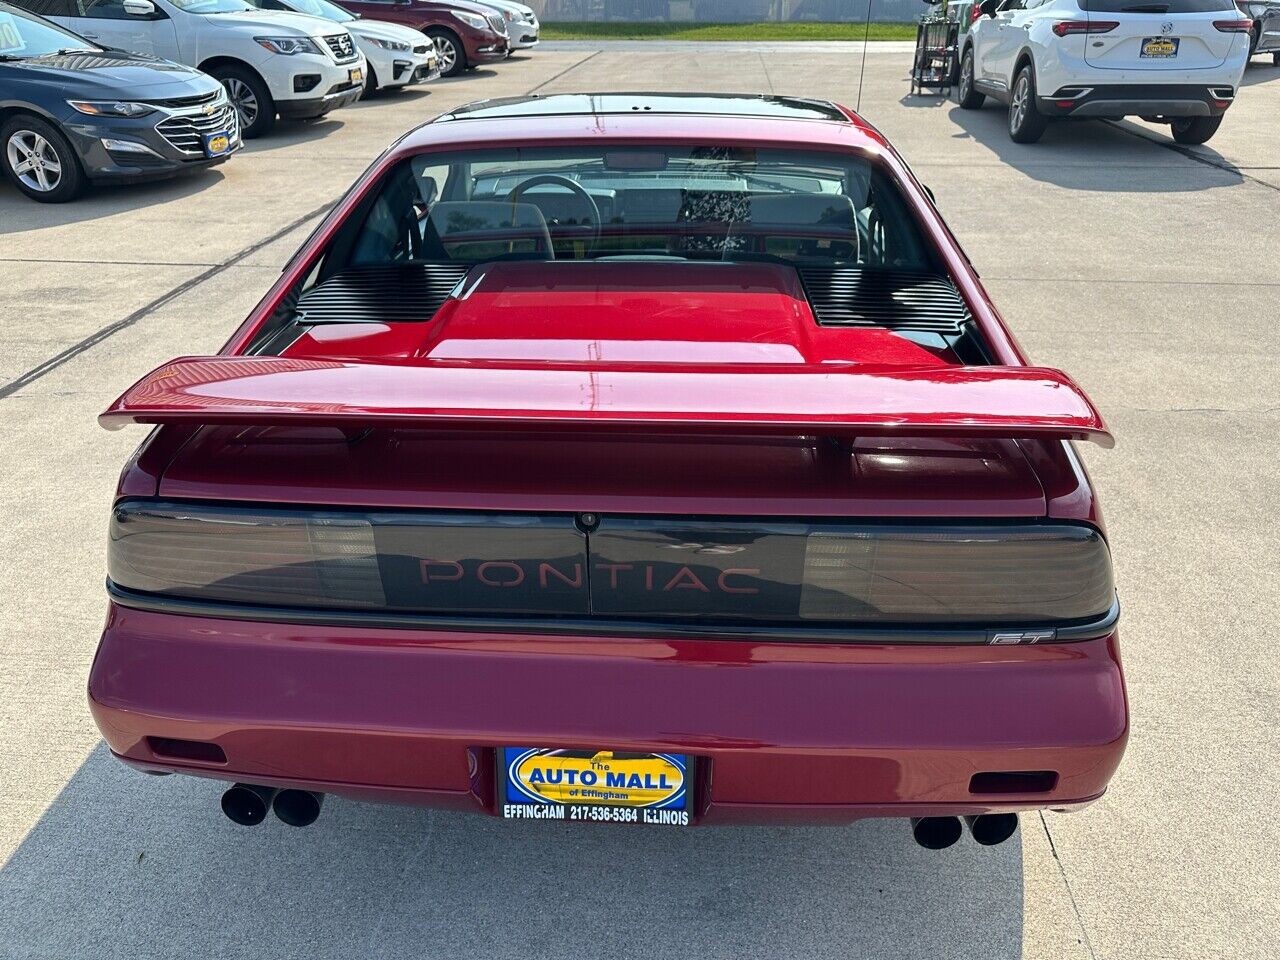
(569, 184)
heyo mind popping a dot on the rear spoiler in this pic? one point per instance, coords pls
(827, 399)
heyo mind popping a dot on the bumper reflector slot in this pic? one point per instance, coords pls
(199, 751)
(1014, 781)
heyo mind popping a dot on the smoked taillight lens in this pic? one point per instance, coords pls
(1065, 28)
(245, 556)
(1233, 26)
(825, 573)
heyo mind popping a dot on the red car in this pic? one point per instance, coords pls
(466, 34)
(634, 458)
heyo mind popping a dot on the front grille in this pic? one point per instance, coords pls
(382, 294)
(342, 46)
(498, 24)
(186, 134)
(896, 299)
(179, 102)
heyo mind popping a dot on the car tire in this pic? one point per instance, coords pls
(1255, 37)
(1275, 59)
(39, 160)
(453, 55)
(370, 84)
(251, 98)
(1193, 130)
(968, 97)
(1026, 123)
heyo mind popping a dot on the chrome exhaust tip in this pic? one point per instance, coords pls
(247, 803)
(297, 808)
(936, 833)
(992, 828)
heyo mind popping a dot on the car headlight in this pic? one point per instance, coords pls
(288, 45)
(111, 108)
(509, 15)
(388, 44)
(472, 20)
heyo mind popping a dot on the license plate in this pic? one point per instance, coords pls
(356, 75)
(216, 144)
(1159, 48)
(601, 786)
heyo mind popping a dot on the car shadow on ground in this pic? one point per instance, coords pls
(1093, 155)
(286, 133)
(1260, 71)
(18, 214)
(163, 873)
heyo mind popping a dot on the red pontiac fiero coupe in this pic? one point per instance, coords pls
(628, 458)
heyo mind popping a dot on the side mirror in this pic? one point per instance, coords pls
(139, 8)
(987, 8)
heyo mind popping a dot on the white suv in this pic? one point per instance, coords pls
(1174, 61)
(271, 63)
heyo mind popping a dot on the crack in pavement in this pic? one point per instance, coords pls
(111, 329)
(1075, 907)
(567, 69)
(1190, 154)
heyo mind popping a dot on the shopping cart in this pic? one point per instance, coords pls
(935, 53)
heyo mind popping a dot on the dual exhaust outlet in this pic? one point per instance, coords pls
(938, 833)
(248, 804)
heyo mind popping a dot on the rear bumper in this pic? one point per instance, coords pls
(1138, 100)
(809, 732)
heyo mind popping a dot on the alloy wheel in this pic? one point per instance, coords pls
(966, 76)
(448, 55)
(34, 161)
(1018, 108)
(243, 99)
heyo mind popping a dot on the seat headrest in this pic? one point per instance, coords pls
(452, 224)
(832, 211)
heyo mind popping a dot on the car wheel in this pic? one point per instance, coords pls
(1194, 130)
(453, 56)
(1255, 35)
(39, 161)
(969, 98)
(1275, 59)
(251, 98)
(370, 84)
(1026, 123)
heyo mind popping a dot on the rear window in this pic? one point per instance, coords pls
(651, 201)
(1155, 6)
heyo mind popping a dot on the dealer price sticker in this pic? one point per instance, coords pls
(599, 786)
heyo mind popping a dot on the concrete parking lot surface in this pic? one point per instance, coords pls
(1148, 272)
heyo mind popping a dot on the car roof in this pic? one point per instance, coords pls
(744, 119)
(600, 104)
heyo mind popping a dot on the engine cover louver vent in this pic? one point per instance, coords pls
(896, 299)
(389, 293)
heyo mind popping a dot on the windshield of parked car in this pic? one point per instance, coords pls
(673, 202)
(23, 36)
(321, 8)
(212, 6)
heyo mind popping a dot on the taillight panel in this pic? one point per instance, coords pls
(1065, 28)
(640, 569)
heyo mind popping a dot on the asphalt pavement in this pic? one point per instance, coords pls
(1147, 270)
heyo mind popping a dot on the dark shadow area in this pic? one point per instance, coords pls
(161, 873)
(17, 213)
(288, 132)
(1095, 155)
(1260, 70)
(391, 95)
(469, 75)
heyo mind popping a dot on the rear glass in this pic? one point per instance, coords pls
(1155, 6)
(651, 201)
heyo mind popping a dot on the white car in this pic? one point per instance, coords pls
(1173, 61)
(522, 23)
(271, 63)
(397, 55)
